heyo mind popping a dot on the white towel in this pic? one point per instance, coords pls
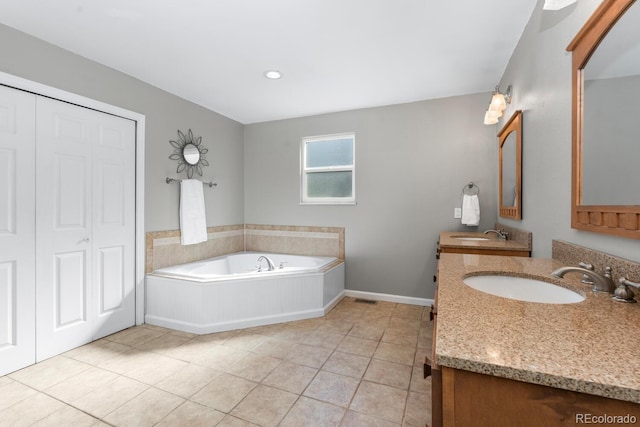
(470, 210)
(193, 221)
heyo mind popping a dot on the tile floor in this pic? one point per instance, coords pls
(361, 365)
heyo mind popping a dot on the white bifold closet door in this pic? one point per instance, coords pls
(85, 225)
(17, 232)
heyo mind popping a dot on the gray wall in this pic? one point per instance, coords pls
(33, 59)
(540, 72)
(412, 161)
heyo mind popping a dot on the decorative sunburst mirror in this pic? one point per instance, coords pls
(189, 153)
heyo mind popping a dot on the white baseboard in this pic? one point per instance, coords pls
(389, 298)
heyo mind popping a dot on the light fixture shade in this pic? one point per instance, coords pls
(490, 118)
(497, 102)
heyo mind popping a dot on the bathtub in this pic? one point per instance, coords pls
(236, 291)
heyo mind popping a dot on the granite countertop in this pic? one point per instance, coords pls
(448, 240)
(589, 347)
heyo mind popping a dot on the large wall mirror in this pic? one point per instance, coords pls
(510, 175)
(605, 121)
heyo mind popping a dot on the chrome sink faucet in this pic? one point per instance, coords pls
(270, 264)
(500, 233)
(601, 282)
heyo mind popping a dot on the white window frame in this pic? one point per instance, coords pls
(305, 199)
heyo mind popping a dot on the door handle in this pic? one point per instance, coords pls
(85, 240)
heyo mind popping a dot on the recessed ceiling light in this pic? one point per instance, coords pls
(272, 74)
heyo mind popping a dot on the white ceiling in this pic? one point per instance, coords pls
(334, 54)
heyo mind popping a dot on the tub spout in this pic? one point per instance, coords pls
(601, 283)
(269, 262)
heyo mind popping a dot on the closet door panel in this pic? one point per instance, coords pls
(63, 226)
(114, 224)
(17, 232)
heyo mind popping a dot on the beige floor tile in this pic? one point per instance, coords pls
(163, 343)
(220, 357)
(369, 332)
(290, 377)
(13, 392)
(224, 393)
(109, 397)
(146, 409)
(192, 415)
(394, 336)
(98, 352)
(307, 355)
(135, 336)
(190, 350)
(245, 341)
(254, 367)
(310, 412)
(335, 327)
(418, 411)
(421, 354)
(273, 347)
(151, 368)
(408, 311)
(389, 373)
(403, 324)
(355, 419)
(380, 400)
(395, 353)
(217, 337)
(188, 380)
(332, 388)
(265, 405)
(83, 383)
(230, 421)
(347, 364)
(359, 346)
(29, 411)
(69, 416)
(5, 380)
(50, 372)
(323, 339)
(419, 384)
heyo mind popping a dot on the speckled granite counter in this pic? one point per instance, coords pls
(450, 239)
(589, 347)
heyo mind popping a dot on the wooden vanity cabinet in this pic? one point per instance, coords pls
(481, 251)
(469, 398)
(432, 368)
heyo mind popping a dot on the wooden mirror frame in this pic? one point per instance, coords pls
(513, 125)
(617, 220)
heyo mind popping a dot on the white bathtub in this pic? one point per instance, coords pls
(231, 292)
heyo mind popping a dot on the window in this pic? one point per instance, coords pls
(328, 169)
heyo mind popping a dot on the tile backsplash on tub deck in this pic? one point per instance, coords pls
(163, 248)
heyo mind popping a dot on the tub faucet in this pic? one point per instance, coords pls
(269, 262)
(601, 282)
(500, 233)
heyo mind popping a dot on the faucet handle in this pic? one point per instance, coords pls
(586, 279)
(623, 293)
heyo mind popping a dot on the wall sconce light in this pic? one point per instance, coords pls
(497, 105)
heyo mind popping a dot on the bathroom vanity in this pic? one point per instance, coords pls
(499, 361)
(460, 242)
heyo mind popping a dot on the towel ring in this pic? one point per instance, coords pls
(471, 189)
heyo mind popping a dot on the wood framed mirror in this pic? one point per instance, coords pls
(510, 171)
(605, 195)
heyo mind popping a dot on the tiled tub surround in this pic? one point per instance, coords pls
(163, 248)
(583, 347)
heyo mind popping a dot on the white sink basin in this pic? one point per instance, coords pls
(523, 289)
(469, 238)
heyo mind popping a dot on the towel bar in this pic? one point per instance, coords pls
(210, 184)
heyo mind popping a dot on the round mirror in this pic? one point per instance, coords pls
(191, 154)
